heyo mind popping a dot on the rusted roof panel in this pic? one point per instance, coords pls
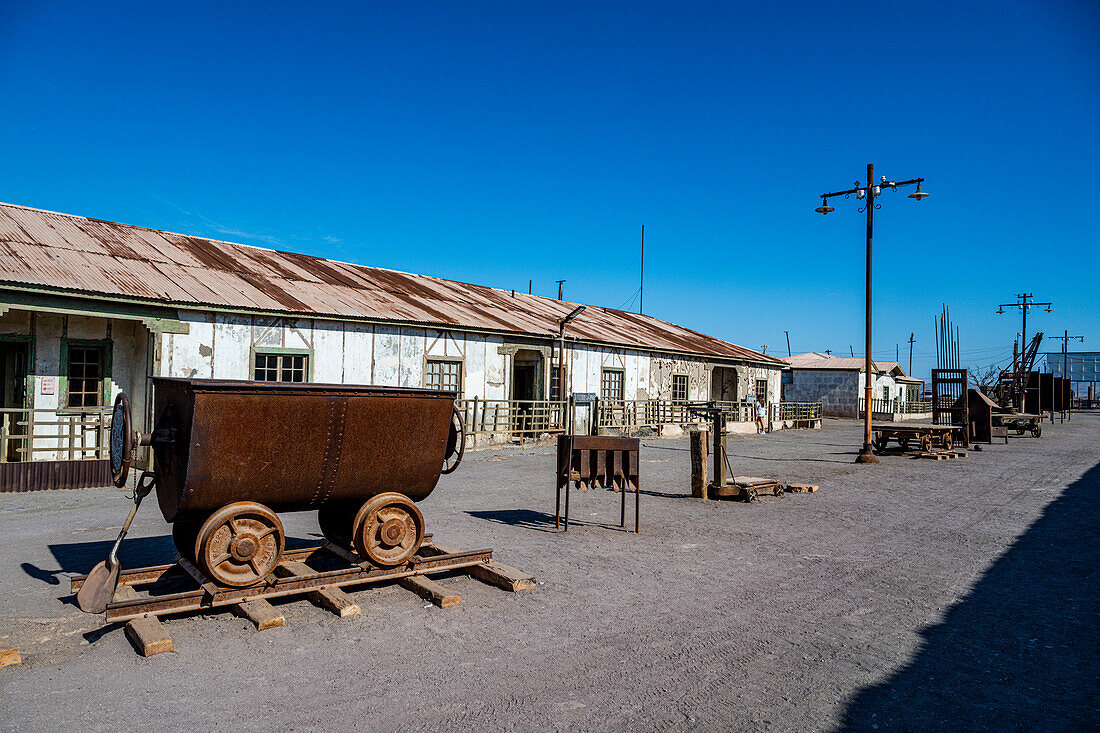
(817, 360)
(62, 251)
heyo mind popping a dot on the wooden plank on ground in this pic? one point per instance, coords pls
(261, 613)
(492, 572)
(502, 576)
(430, 590)
(801, 488)
(148, 635)
(333, 599)
(9, 657)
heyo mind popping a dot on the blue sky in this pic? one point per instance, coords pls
(502, 142)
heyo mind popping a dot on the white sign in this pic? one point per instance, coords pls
(49, 385)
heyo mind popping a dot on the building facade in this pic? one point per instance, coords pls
(838, 383)
(89, 309)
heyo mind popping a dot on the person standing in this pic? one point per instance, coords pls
(761, 413)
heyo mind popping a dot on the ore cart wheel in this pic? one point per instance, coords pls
(1036, 432)
(388, 529)
(777, 491)
(240, 544)
(749, 494)
(948, 443)
(337, 521)
(456, 442)
(926, 443)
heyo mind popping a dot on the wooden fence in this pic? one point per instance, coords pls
(71, 436)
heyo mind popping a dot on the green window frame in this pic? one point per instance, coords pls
(85, 374)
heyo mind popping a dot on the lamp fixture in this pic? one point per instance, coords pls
(824, 208)
(919, 194)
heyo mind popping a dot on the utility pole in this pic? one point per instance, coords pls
(1023, 304)
(851, 350)
(910, 355)
(530, 287)
(560, 283)
(788, 335)
(871, 191)
(764, 348)
(1066, 338)
(641, 273)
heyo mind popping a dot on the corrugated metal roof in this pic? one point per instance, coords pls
(817, 360)
(73, 253)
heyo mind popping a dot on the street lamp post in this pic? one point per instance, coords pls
(871, 191)
(1024, 301)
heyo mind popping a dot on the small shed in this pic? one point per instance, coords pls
(981, 410)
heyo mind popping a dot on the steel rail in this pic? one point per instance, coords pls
(199, 599)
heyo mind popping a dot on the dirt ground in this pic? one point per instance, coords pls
(913, 595)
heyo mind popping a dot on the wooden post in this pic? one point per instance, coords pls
(719, 450)
(699, 464)
(473, 423)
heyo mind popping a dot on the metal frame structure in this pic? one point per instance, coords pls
(870, 191)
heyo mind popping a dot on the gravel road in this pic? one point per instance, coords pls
(913, 595)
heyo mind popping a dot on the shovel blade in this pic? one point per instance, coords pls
(99, 588)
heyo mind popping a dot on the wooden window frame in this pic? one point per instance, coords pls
(756, 389)
(428, 360)
(622, 383)
(687, 387)
(276, 351)
(67, 344)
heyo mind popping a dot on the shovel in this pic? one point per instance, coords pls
(99, 587)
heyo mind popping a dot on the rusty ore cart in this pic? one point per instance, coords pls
(923, 436)
(229, 456)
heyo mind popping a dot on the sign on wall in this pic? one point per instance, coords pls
(49, 385)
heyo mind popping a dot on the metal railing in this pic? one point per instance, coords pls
(896, 406)
(66, 435)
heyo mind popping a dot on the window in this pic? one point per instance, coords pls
(611, 384)
(679, 388)
(886, 393)
(444, 374)
(281, 367)
(86, 367)
(762, 389)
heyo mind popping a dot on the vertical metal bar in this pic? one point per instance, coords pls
(866, 455)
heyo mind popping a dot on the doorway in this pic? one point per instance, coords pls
(526, 387)
(14, 358)
(723, 384)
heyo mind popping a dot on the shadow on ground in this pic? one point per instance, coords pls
(1022, 650)
(134, 552)
(526, 518)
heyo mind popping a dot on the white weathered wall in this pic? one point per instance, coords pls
(353, 353)
(129, 346)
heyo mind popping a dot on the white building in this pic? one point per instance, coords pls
(838, 382)
(89, 308)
